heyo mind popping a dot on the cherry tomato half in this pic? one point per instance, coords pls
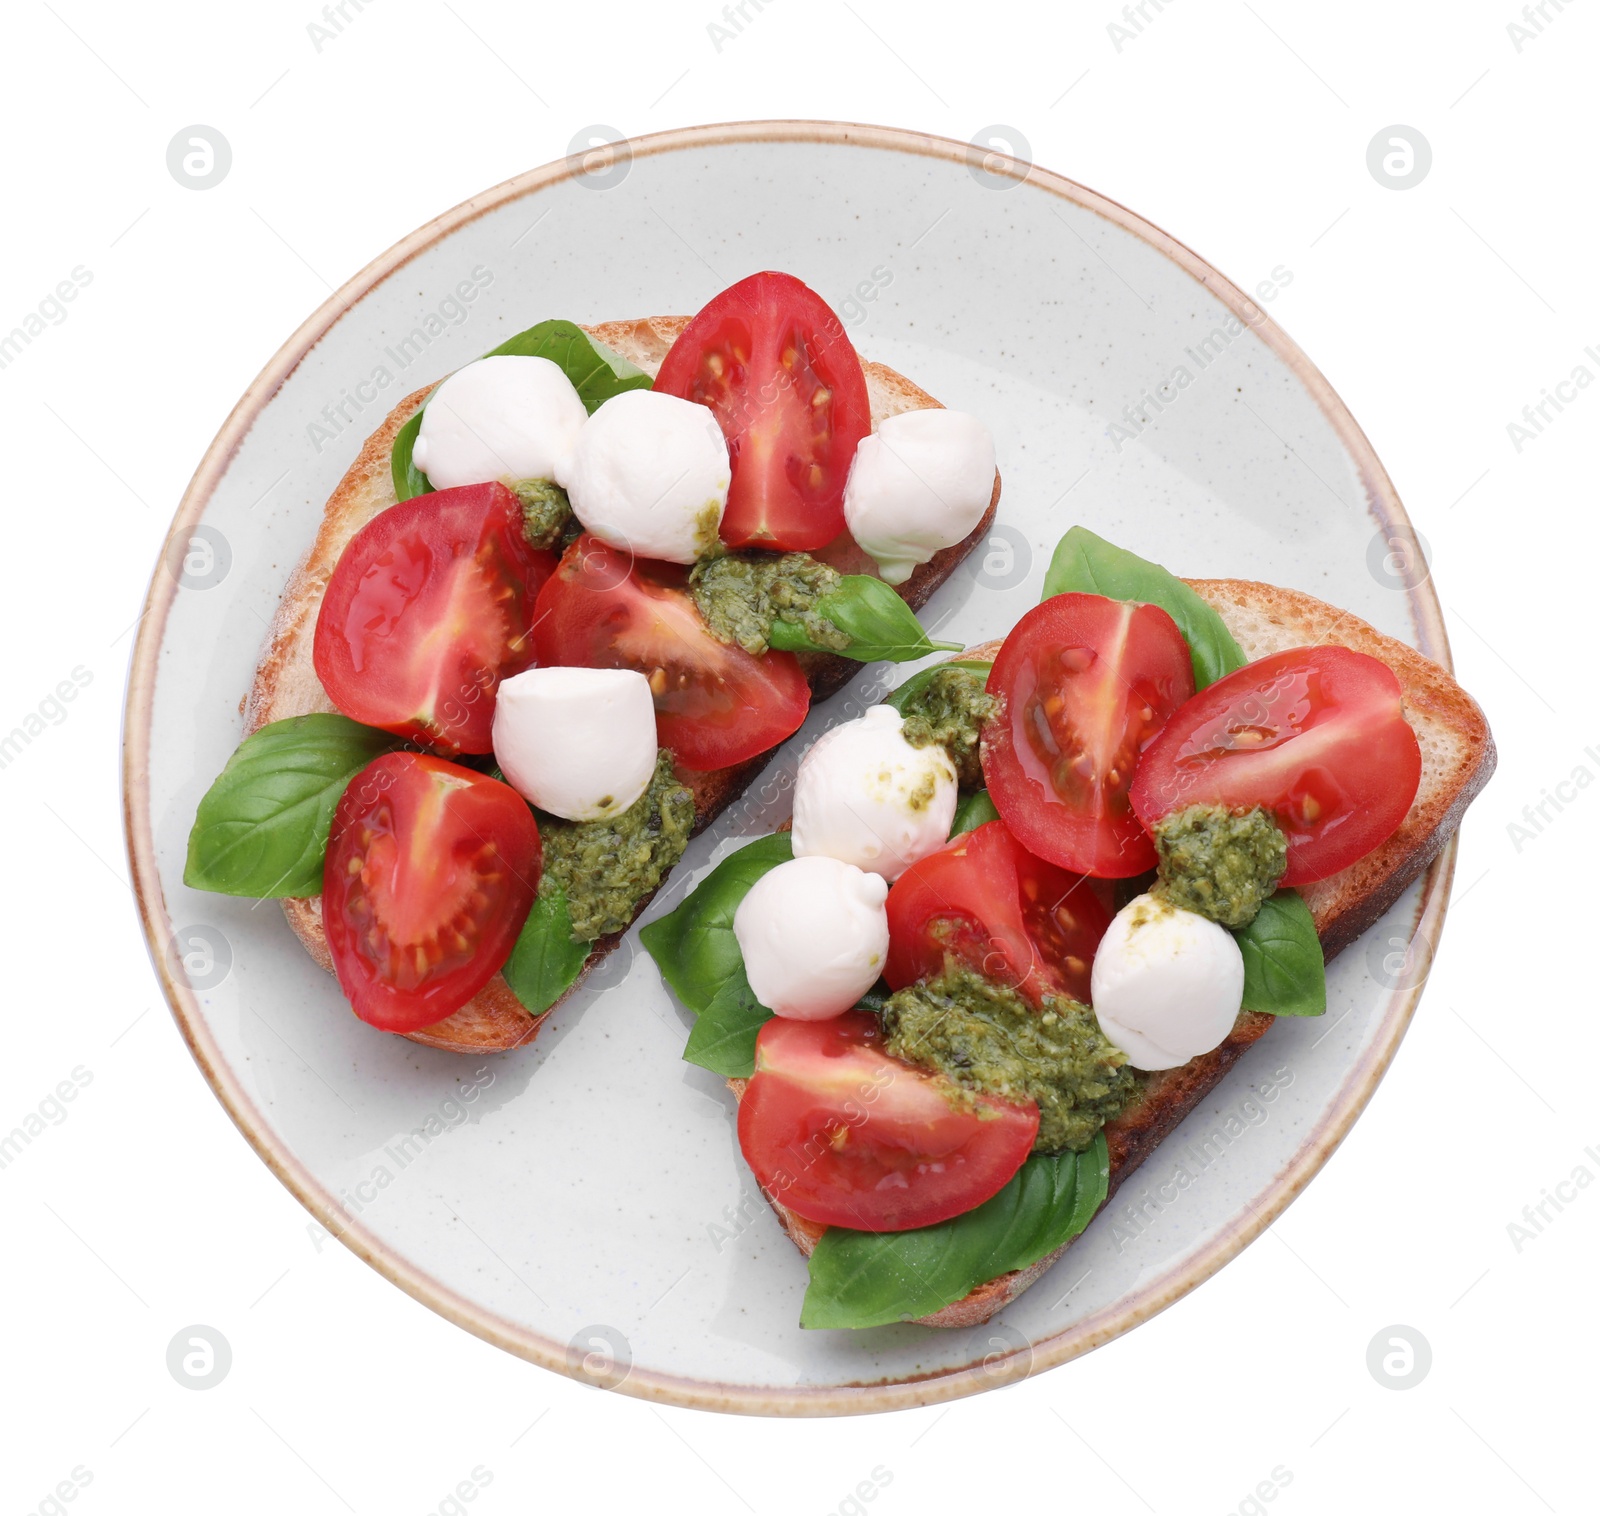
(988, 901)
(773, 363)
(428, 609)
(1317, 735)
(845, 1135)
(1085, 683)
(716, 705)
(431, 871)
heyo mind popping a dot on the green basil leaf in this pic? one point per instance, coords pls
(409, 480)
(903, 696)
(546, 962)
(1094, 1183)
(878, 622)
(262, 828)
(596, 373)
(874, 999)
(974, 811)
(699, 957)
(723, 1037)
(1091, 565)
(867, 1279)
(1283, 966)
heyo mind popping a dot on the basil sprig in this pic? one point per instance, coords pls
(698, 955)
(546, 962)
(596, 373)
(867, 1279)
(878, 622)
(1092, 566)
(1283, 965)
(262, 828)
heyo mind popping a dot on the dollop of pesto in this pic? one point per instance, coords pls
(1218, 863)
(986, 1037)
(742, 594)
(607, 867)
(949, 712)
(547, 519)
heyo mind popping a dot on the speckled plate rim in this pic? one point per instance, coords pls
(898, 1394)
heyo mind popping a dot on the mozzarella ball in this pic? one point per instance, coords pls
(1166, 984)
(579, 743)
(499, 418)
(814, 934)
(920, 483)
(650, 476)
(865, 796)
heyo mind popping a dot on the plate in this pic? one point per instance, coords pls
(581, 1202)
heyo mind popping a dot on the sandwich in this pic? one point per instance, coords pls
(558, 613)
(1034, 907)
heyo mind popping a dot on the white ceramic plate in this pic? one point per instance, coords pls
(588, 1190)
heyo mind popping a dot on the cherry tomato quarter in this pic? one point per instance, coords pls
(430, 873)
(778, 371)
(845, 1135)
(1084, 684)
(1316, 735)
(429, 607)
(716, 705)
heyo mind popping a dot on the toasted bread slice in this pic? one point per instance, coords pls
(1457, 759)
(286, 682)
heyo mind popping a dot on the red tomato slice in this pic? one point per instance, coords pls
(773, 363)
(428, 609)
(1013, 917)
(1317, 735)
(845, 1135)
(715, 704)
(1085, 683)
(431, 871)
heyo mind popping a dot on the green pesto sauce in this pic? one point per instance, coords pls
(949, 712)
(1219, 864)
(607, 867)
(547, 519)
(985, 1036)
(742, 594)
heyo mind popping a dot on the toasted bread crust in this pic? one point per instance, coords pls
(1458, 758)
(285, 682)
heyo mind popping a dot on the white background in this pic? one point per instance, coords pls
(1438, 312)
